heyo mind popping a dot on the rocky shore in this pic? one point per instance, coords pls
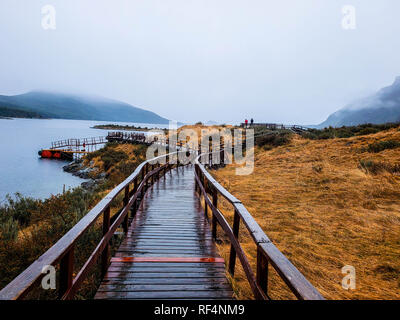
(78, 168)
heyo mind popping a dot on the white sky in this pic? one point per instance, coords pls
(284, 61)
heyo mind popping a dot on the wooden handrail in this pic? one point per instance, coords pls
(267, 252)
(62, 251)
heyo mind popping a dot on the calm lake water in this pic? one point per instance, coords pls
(23, 171)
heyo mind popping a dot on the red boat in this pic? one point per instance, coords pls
(55, 154)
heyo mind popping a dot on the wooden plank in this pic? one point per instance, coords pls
(162, 242)
(164, 295)
(164, 287)
(165, 281)
(168, 264)
(136, 269)
(169, 259)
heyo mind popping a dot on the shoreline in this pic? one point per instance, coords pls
(125, 128)
(79, 169)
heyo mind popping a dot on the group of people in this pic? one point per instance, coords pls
(246, 122)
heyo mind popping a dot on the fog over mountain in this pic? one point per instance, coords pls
(274, 61)
(42, 104)
(382, 107)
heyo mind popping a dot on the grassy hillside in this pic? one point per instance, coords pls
(16, 113)
(78, 107)
(326, 204)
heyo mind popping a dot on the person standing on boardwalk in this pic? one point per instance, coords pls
(245, 123)
(251, 122)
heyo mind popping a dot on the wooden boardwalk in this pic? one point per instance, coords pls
(168, 252)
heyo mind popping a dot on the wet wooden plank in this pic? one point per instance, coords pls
(165, 287)
(165, 281)
(166, 265)
(216, 294)
(161, 274)
(138, 269)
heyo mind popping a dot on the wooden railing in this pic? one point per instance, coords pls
(133, 188)
(274, 126)
(77, 143)
(62, 253)
(267, 252)
(126, 136)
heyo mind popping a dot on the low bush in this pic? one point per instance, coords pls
(347, 132)
(373, 167)
(20, 209)
(273, 140)
(382, 145)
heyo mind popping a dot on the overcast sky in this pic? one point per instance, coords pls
(286, 61)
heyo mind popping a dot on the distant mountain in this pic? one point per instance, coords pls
(41, 104)
(382, 107)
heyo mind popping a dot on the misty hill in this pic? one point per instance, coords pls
(40, 104)
(382, 107)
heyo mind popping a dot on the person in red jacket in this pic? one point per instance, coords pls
(245, 123)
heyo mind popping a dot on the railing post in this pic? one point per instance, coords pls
(235, 230)
(196, 187)
(134, 206)
(214, 219)
(262, 270)
(66, 272)
(152, 176)
(205, 195)
(106, 252)
(125, 224)
(144, 186)
(146, 171)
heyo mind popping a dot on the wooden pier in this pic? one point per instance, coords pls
(275, 126)
(70, 149)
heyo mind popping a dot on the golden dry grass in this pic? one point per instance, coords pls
(324, 212)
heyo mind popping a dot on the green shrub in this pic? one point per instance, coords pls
(373, 167)
(347, 132)
(8, 230)
(109, 146)
(127, 167)
(113, 157)
(108, 155)
(383, 145)
(19, 209)
(273, 140)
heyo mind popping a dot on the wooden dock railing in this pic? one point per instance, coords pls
(62, 253)
(267, 252)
